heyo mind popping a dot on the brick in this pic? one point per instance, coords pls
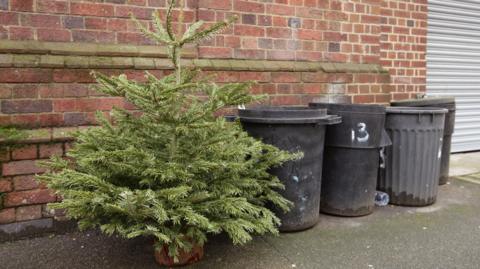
(75, 119)
(281, 10)
(96, 23)
(264, 20)
(133, 38)
(212, 52)
(333, 36)
(315, 77)
(63, 105)
(280, 55)
(265, 43)
(28, 152)
(41, 20)
(26, 106)
(333, 47)
(92, 9)
(336, 57)
(279, 21)
(249, 54)
(247, 30)
(5, 92)
(9, 18)
(32, 212)
(306, 34)
(52, 6)
(24, 91)
(84, 36)
(24, 120)
(73, 76)
(286, 100)
(75, 90)
(279, 32)
(137, 12)
(53, 35)
(39, 196)
(249, 19)
(247, 6)
(51, 91)
(21, 5)
(336, 88)
(285, 77)
(20, 33)
(294, 23)
(24, 167)
(7, 215)
(360, 99)
(117, 24)
(156, 3)
(254, 76)
(3, 4)
(308, 56)
(215, 4)
(48, 150)
(22, 183)
(5, 185)
(50, 120)
(73, 22)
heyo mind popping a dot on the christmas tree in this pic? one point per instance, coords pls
(175, 171)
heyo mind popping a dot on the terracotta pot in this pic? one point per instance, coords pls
(184, 258)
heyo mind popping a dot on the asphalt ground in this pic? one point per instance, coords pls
(444, 235)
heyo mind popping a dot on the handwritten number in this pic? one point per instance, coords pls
(363, 134)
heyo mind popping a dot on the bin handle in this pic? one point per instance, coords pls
(330, 120)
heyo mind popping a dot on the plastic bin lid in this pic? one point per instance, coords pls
(286, 115)
(427, 101)
(416, 110)
(352, 108)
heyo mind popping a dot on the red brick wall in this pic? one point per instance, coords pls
(387, 33)
(403, 46)
(24, 199)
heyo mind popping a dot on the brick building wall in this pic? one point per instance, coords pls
(297, 50)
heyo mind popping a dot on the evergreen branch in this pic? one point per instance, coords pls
(208, 33)
(160, 35)
(170, 32)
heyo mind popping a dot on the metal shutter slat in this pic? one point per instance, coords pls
(453, 64)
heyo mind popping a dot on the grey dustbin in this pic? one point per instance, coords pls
(352, 153)
(294, 129)
(412, 163)
(443, 102)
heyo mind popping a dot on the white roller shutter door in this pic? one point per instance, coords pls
(453, 64)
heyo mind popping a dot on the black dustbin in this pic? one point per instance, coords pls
(352, 153)
(443, 102)
(412, 163)
(294, 129)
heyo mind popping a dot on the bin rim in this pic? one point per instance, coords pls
(416, 110)
(350, 108)
(287, 115)
(433, 101)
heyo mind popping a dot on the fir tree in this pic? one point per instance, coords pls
(176, 171)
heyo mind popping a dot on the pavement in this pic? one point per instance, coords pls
(444, 235)
(464, 164)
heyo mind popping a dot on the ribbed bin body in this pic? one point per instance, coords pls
(412, 163)
(294, 131)
(441, 102)
(352, 152)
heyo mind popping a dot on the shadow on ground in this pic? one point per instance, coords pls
(445, 235)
